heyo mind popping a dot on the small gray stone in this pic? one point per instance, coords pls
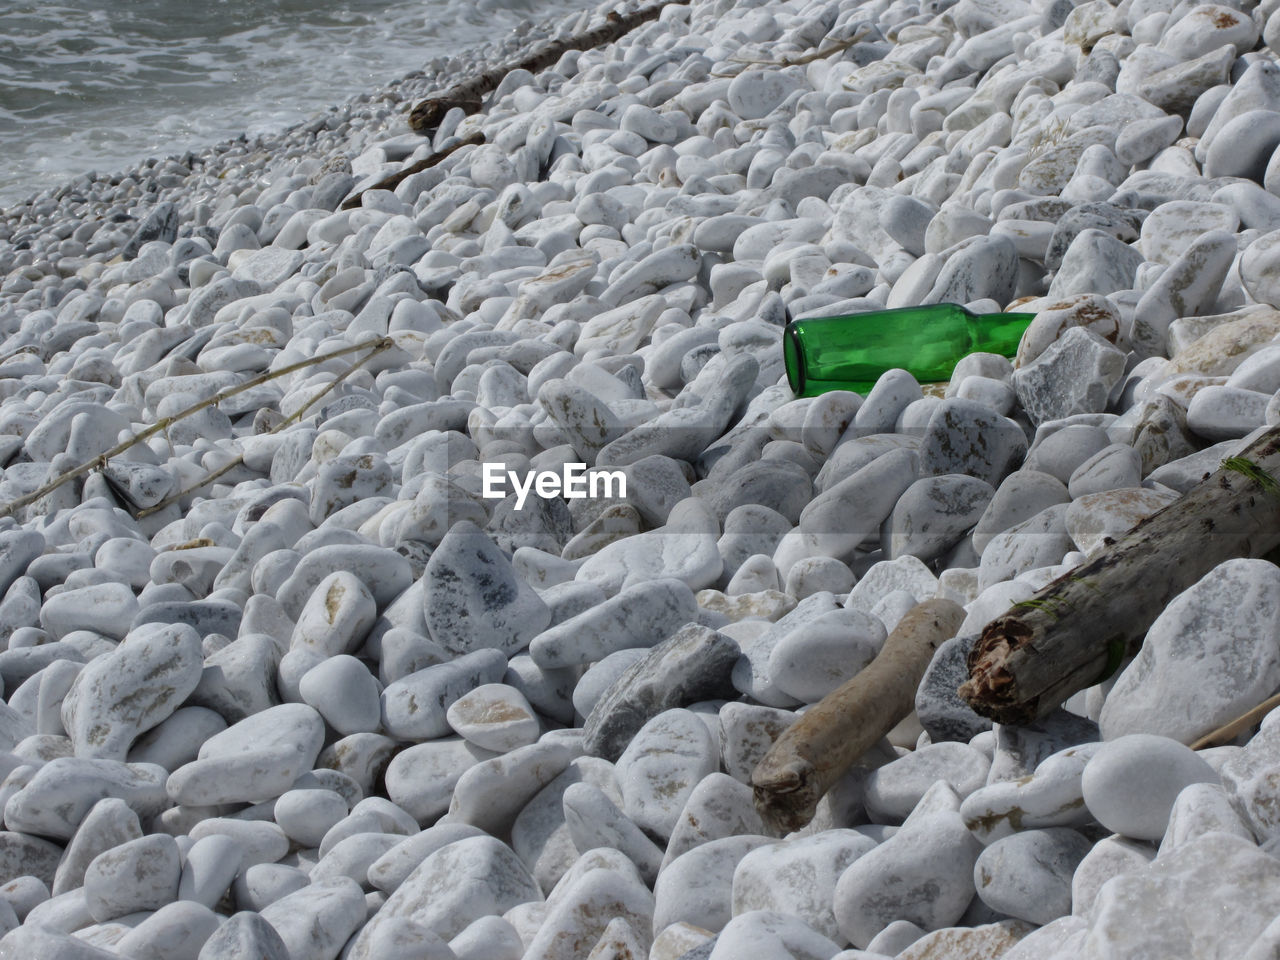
(964, 437)
(640, 616)
(415, 707)
(1258, 270)
(817, 656)
(1114, 467)
(697, 887)
(1074, 375)
(933, 515)
(1249, 779)
(132, 689)
(140, 874)
(1219, 880)
(943, 714)
(747, 731)
(1028, 875)
(893, 790)
(923, 873)
(457, 884)
(1095, 262)
(798, 877)
(1040, 541)
(977, 269)
(474, 600)
(1244, 145)
(1059, 452)
(244, 936)
(692, 665)
(1095, 518)
(661, 765)
(718, 807)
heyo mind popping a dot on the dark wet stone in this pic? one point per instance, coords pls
(692, 665)
(943, 714)
(160, 224)
(473, 598)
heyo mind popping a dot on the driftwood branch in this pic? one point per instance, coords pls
(393, 181)
(7, 509)
(1078, 629)
(828, 739)
(469, 94)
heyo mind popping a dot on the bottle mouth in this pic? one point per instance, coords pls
(793, 359)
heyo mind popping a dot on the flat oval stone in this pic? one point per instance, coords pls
(1028, 875)
(64, 790)
(640, 616)
(798, 877)
(120, 695)
(141, 874)
(1131, 783)
(494, 717)
(665, 760)
(258, 758)
(892, 791)
(923, 874)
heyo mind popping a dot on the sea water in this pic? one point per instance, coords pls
(101, 84)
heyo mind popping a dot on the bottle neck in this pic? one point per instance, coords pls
(998, 332)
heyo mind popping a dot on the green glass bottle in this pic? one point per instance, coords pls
(850, 352)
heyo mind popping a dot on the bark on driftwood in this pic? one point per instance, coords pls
(828, 739)
(469, 94)
(1078, 629)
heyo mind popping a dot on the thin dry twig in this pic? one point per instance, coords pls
(838, 47)
(100, 461)
(378, 347)
(1229, 731)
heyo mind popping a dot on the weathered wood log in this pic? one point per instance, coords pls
(1079, 628)
(828, 739)
(469, 94)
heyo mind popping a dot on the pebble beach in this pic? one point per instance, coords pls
(420, 573)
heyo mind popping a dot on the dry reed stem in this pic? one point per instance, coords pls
(100, 461)
(1228, 731)
(378, 347)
